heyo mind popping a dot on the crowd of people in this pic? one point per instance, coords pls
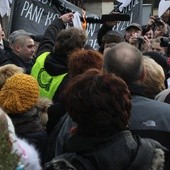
(66, 106)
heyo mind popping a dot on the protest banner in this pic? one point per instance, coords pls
(36, 15)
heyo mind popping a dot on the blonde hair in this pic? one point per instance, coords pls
(155, 77)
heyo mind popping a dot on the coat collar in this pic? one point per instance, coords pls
(136, 89)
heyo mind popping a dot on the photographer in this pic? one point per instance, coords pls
(161, 29)
(133, 35)
(158, 25)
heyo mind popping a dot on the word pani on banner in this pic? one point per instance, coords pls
(34, 13)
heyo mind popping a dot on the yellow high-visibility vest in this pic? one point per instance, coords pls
(48, 84)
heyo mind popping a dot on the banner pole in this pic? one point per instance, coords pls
(10, 18)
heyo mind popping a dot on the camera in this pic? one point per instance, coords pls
(165, 41)
(158, 21)
(140, 39)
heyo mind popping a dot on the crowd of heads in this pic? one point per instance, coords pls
(97, 95)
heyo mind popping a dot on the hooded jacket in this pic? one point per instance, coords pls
(54, 65)
(28, 155)
(28, 126)
(149, 119)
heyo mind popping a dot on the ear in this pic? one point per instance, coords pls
(17, 47)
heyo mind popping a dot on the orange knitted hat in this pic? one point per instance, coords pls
(19, 93)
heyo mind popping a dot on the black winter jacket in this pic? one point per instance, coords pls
(55, 65)
(149, 119)
(122, 151)
(10, 58)
(27, 126)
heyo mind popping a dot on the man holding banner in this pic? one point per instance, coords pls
(50, 68)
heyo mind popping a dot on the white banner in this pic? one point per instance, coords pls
(124, 4)
(163, 6)
(4, 7)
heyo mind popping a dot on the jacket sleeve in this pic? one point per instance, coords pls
(49, 37)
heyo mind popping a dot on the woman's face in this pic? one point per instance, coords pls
(160, 30)
(149, 34)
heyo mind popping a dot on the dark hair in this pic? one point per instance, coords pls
(159, 58)
(111, 36)
(99, 103)
(125, 61)
(82, 60)
(69, 40)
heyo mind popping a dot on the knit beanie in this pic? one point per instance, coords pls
(19, 93)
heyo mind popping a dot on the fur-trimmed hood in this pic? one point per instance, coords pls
(33, 120)
(42, 105)
(28, 155)
(158, 160)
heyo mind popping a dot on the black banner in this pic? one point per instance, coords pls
(134, 9)
(35, 15)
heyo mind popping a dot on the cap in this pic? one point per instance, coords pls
(135, 25)
(17, 33)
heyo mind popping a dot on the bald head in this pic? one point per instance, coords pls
(125, 61)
